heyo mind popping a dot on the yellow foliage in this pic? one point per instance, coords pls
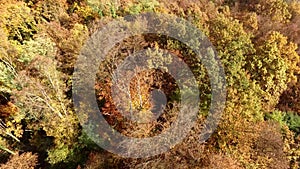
(17, 21)
(277, 9)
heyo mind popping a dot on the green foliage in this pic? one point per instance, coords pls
(7, 74)
(39, 46)
(65, 132)
(136, 7)
(289, 119)
(105, 7)
(277, 116)
(58, 154)
(43, 102)
(293, 121)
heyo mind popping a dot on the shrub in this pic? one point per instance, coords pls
(136, 7)
(17, 21)
(273, 67)
(24, 161)
(293, 121)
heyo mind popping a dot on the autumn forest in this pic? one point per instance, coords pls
(256, 42)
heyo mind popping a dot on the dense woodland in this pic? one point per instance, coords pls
(256, 40)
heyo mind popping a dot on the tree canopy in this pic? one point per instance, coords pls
(256, 41)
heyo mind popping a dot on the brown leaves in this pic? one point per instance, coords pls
(7, 109)
(24, 161)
